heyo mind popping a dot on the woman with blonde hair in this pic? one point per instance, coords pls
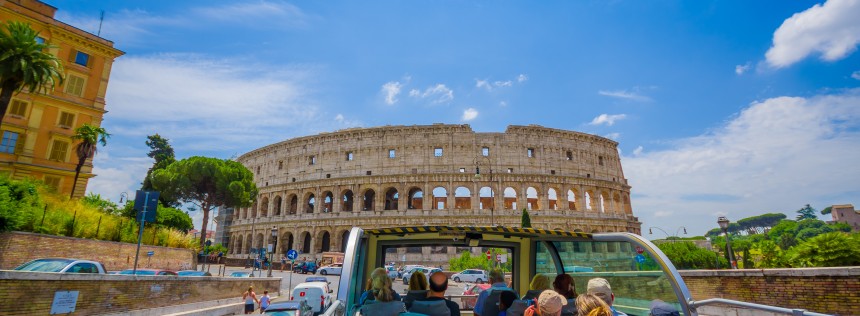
(540, 282)
(250, 298)
(417, 288)
(379, 288)
(591, 305)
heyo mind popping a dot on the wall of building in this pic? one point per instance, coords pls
(38, 128)
(822, 290)
(846, 214)
(17, 248)
(23, 293)
(314, 189)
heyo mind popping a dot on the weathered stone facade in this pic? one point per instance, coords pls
(315, 188)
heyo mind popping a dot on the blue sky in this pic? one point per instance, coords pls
(731, 108)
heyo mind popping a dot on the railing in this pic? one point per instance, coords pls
(766, 308)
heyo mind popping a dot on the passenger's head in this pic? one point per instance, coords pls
(661, 308)
(591, 305)
(250, 289)
(600, 287)
(380, 284)
(438, 283)
(496, 276)
(540, 282)
(418, 281)
(564, 285)
(550, 303)
(265, 292)
(506, 298)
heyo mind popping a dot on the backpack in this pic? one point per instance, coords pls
(431, 308)
(491, 305)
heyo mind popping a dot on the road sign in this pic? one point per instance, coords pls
(489, 256)
(269, 247)
(208, 243)
(639, 250)
(504, 258)
(64, 302)
(292, 254)
(640, 258)
(150, 253)
(146, 201)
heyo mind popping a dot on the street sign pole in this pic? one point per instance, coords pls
(140, 232)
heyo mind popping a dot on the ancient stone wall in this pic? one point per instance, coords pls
(313, 189)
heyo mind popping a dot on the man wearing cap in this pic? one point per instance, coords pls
(549, 303)
(600, 287)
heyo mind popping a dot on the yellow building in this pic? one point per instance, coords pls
(37, 129)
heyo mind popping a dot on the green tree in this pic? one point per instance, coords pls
(206, 183)
(162, 152)
(685, 255)
(25, 63)
(18, 202)
(771, 255)
(173, 218)
(807, 212)
(525, 221)
(833, 249)
(89, 136)
(827, 210)
(104, 205)
(467, 261)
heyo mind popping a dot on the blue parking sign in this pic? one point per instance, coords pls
(640, 258)
(292, 254)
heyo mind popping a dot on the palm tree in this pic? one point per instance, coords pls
(24, 63)
(90, 136)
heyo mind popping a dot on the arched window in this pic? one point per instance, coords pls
(391, 198)
(344, 239)
(462, 198)
(369, 197)
(416, 199)
(510, 198)
(326, 242)
(264, 207)
(347, 201)
(571, 200)
(294, 204)
(309, 205)
(552, 199)
(486, 198)
(277, 205)
(532, 199)
(327, 202)
(440, 198)
(306, 244)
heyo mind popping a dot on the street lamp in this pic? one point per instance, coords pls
(724, 225)
(271, 253)
(492, 196)
(651, 232)
(123, 195)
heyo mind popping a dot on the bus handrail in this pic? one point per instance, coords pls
(761, 307)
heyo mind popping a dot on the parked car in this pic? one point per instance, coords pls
(407, 268)
(305, 267)
(240, 274)
(147, 272)
(62, 265)
(392, 272)
(290, 308)
(334, 269)
(476, 289)
(427, 272)
(193, 273)
(470, 275)
(317, 295)
(317, 279)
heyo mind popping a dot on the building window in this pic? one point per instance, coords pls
(600, 160)
(392, 153)
(59, 149)
(75, 85)
(462, 170)
(531, 152)
(281, 165)
(485, 151)
(552, 172)
(40, 40)
(349, 156)
(67, 120)
(369, 173)
(52, 182)
(312, 160)
(569, 155)
(18, 108)
(510, 170)
(9, 143)
(437, 152)
(82, 58)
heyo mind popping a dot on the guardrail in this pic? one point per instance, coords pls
(766, 308)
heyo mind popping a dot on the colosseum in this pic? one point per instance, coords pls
(313, 189)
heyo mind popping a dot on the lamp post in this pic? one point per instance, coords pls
(272, 252)
(123, 195)
(651, 232)
(492, 196)
(724, 225)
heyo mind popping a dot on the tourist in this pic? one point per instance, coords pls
(564, 285)
(506, 299)
(378, 288)
(265, 300)
(549, 303)
(435, 303)
(283, 262)
(540, 282)
(592, 305)
(497, 279)
(600, 287)
(417, 288)
(250, 298)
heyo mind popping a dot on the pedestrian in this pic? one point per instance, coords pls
(265, 300)
(250, 298)
(283, 262)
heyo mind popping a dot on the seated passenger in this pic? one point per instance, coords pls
(564, 285)
(378, 289)
(549, 303)
(591, 305)
(435, 303)
(417, 288)
(487, 303)
(539, 284)
(506, 299)
(660, 308)
(600, 287)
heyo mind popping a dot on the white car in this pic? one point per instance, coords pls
(334, 268)
(470, 275)
(62, 265)
(316, 294)
(426, 270)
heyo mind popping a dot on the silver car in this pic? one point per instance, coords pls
(62, 265)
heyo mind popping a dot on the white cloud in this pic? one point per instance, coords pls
(774, 156)
(490, 86)
(437, 94)
(469, 114)
(607, 119)
(503, 83)
(831, 29)
(613, 136)
(522, 78)
(391, 89)
(624, 94)
(638, 151)
(856, 75)
(252, 12)
(483, 84)
(741, 69)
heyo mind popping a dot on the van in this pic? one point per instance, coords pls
(316, 294)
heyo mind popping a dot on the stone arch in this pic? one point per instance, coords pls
(305, 242)
(347, 198)
(485, 198)
(616, 203)
(603, 200)
(328, 202)
(391, 199)
(416, 198)
(248, 243)
(324, 241)
(627, 207)
(571, 199)
(291, 242)
(344, 239)
(237, 245)
(532, 198)
(440, 198)
(368, 199)
(588, 196)
(264, 207)
(510, 198)
(294, 204)
(462, 198)
(260, 240)
(277, 206)
(552, 199)
(310, 202)
(285, 242)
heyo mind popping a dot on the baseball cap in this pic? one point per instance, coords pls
(600, 287)
(549, 302)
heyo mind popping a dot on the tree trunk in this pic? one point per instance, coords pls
(205, 209)
(6, 92)
(81, 161)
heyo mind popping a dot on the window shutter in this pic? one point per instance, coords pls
(19, 146)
